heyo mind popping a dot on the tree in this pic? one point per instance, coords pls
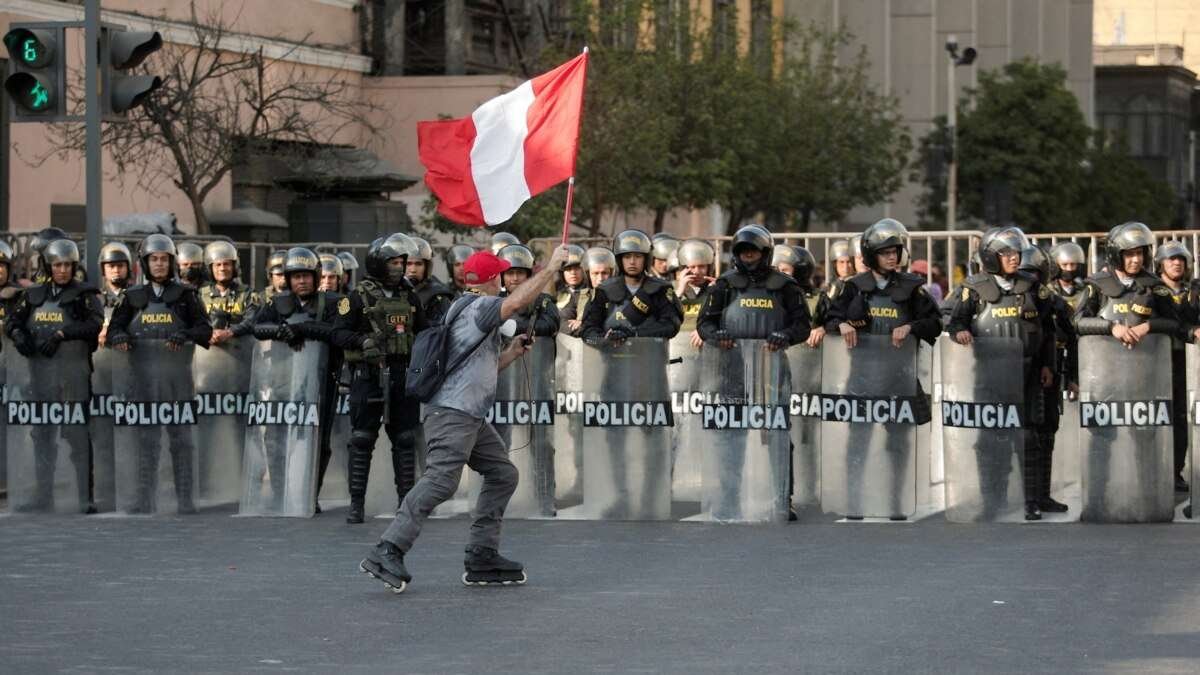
(213, 103)
(1022, 135)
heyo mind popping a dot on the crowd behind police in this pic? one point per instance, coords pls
(641, 287)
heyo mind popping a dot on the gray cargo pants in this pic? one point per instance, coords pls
(454, 438)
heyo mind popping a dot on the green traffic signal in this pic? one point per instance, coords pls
(33, 48)
(29, 92)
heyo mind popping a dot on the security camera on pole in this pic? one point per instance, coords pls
(36, 87)
(965, 59)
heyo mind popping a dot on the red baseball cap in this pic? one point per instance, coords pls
(482, 267)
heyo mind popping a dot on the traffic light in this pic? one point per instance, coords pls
(36, 72)
(121, 51)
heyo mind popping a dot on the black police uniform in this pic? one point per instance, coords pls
(653, 311)
(860, 303)
(435, 298)
(1026, 312)
(1187, 306)
(321, 317)
(36, 317)
(1066, 369)
(542, 313)
(178, 317)
(391, 317)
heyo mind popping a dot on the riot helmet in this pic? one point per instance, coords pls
(458, 254)
(883, 234)
(518, 257)
(116, 253)
(575, 256)
(219, 252)
(997, 241)
(632, 242)
(840, 250)
(419, 264)
(61, 251)
(601, 264)
(6, 254)
(424, 250)
(696, 252)
(1035, 260)
(756, 238)
(502, 239)
(403, 243)
(1127, 237)
(805, 266)
(300, 260)
(156, 243)
(854, 244)
(1066, 253)
(349, 262)
(573, 267)
(383, 250)
(784, 254)
(190, 258)
(331, 265)
(275, 262)
(661, 247)
(1173, 249)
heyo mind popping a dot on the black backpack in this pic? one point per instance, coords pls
(428, 361)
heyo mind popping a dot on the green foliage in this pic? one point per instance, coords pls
(1023, 130)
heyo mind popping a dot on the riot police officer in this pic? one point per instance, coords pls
(843, 263)
(231, 305)
(845, 267)
(161, 296)
(571, 286)
(1173, 263)
(435, 297)
(455, 258)
(385, 310)
(39, 272)
(1068, 261)
(276, 281)
(1035, 262)
(116, 269)
(304, 313)
(632, 304)
(694, 283)
(191, 264)
(349, 267)
(601, 265)
(856, 252)
(46, 315)
(1004, 287)
(502, 239)
(542, 316)
(662, 247)
(332, 274)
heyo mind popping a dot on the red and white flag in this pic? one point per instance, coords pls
(484, 167)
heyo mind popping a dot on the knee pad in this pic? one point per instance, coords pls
(362, 440)
(405, 439)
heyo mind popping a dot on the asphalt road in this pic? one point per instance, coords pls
(217, 593)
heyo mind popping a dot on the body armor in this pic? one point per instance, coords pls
(1008, 314)
(691, 301)
(1130, 305)
(49, 314)
(153, 316)
(887, 309)
(228, 309)
(391, 319)
(754, 310)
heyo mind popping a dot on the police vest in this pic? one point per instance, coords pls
(228, 309)
(883, 310)
(691, 304)
(292, 310)
(390, 319)
(1011, 313)
(49, 314)
(430, 290)
(754, 310)
(156, 319)
(1073, 298)
(1129, 305)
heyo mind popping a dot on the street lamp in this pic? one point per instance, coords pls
(965, 59)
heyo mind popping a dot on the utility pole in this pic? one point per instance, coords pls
(966, 59)
(91, 86)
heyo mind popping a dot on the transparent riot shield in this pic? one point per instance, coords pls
(222, 377)
(684, 371)
(523, 415)
(805, 411)
(568, 419)
(336, 491)
(627, 433)
(1125, 433)
(1192, 353)
(5, 348)
(746, 453)
(100, 427)
(154, 409)
(870, 411)
(49, 467)
(983, 429)
(279, 470)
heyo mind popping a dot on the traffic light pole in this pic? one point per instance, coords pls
(92, 93)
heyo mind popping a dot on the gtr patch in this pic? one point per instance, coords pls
(976, 415)
(1156, 413)
(627, 414)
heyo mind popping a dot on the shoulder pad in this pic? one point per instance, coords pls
(985, 285)
(173, 293)
(614, 289)
(1023, 282)
(285, 303)
(654, 285)
(9, 292)
(865, 281)
(77, 290)
(778, 280)
(1108, 284)
(904, 286)
(137, 297)
(1162, 290)
(735, 279)
(36, 295)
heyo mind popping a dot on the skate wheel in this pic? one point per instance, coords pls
(396, 590)
(465, 581)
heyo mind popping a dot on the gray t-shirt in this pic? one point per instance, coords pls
(471, 387)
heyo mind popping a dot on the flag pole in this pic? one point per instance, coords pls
(571, 181)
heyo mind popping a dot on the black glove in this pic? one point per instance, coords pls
(23, 341)
(621, 333)
(50, 345)
(218, 318)
(371, 351)
(593, 341)
(721, 335)
(286, 333)
(778, 340)
(178, 339)
(118, 339)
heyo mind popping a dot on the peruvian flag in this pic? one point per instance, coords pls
(484, 167)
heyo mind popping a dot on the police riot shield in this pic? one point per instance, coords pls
(523, 414)
(154, 413)
(870, 410)
(1125, 433)
(983, 429)
(1193, 412)
(687, 398)
(568, 419)
(335, 491)
(805, 412)
(222, 377)
(100, 427)
(5, 348)
(49, 464)
(279, 470)
(746, 455)
(627, 423)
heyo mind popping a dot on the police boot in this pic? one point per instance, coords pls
(83, 489)
(181, 466)
(1032, 512)
(358, 473)
(404, 464)
(147, 483)
(1047, 503)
